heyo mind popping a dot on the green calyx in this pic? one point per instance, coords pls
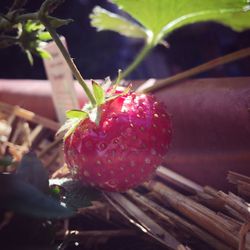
(102, 94)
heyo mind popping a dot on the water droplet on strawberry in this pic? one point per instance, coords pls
(102, 146)
(116, 141)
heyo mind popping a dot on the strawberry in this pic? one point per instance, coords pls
(124, 148)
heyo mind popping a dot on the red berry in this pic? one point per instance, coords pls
(121, 152)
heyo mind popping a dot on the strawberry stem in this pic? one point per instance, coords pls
(163, 83)
(68, 59)
(139, 58)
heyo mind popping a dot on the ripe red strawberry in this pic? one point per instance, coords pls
(126, 146)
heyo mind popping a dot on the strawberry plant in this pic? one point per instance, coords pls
(152, 21)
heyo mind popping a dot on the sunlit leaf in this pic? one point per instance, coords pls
(68, 127)
(43, 53)
(161, 17)
(106, 20)
(44, 36)
(30, 57)
(123, 92)
(98, 93)
(31, 26)
(75, 113)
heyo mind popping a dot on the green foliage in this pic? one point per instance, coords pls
(158, 18)
(26, 192)
(99, 93)
(21, 197)
(79, 196)
(74, 193)
(75, 113)
(32, 37)
(31, 170)
(27, 29)
(74, 117)
(161, 17)
(106, 20)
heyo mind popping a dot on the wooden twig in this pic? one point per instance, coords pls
(49, 147)
(163, 83)
(17, 132)
(242, 182)
(52, 159)
(61, 172)
(244, 188)
(234, 178)
(96, 206)
(35, 133)
(236, 203)
(199, 214)
(141, 220)
(243, 232)
(10, 121)
(29, 116)
(178, 180)
(178, 222)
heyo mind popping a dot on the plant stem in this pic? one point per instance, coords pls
(5, 23)
(139, 58)
(68, 59)
(163, 83)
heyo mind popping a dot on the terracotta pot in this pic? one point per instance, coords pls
(211, 122)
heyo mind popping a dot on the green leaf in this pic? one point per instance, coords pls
(57, 22)
(68, 127)
(98, 93)
(124, 92)
(30, 57)
(21, 197)
(31, 26)
(44, 36)
(76, 195)
(32, 171)
(75, 113)
(161, 17)
(74, 116)
(106, 20)
(43, 53)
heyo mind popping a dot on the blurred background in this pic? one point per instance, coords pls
(101, 54)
